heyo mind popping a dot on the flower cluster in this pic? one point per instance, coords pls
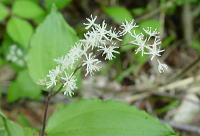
(103, 40)
(16, 55)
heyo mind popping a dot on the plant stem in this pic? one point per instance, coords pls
(50, 95)
(45, 114)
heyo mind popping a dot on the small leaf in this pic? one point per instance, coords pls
(108, 118)
(23, 87)
(27, 9)
(150, 23)
(59, 3)
(3, 12)
(52, 39)
(196, 45)
(138, 11)
(118, 14)
(20, 31)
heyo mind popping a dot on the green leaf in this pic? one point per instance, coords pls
(3, 12)
(23, 87)
(154, 24)
(30, 132)
(118, 14)
(104, 118)
(52, 39)
(10, 128)
(27, 9)
(14, 129)
(138, 11)
(59, 3)
(196, 45)
(20, 31)
(6, 1)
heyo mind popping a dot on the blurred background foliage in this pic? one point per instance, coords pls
(129, 75)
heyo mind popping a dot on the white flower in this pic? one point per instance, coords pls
(68, 92)
(91, 64)
(70, 58)
(91, 22)
(92, 39)
(69, 84)
(127, 27)
(16, 55)
(113, 34)
(154, 50)
(150, 32)
(141, 46)
(162, 67)
(108, 51)
(76, 52)
(52, 76)
(101, 29)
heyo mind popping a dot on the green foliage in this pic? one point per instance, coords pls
(23, 87)
(59, 3)
(3, 12)
(150, 23)
(27, 9)
(9, 128)
(118, 14)
(53, 38)
(181, 2)
(138, 11)
(109, 118)
(196, 45)
(20, 31)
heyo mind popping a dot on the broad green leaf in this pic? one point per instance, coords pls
(104, 118)
(23, 87)
(20, 31)
(27, 9)
(59, 3)
(118, 14)
(14, 129)
(10, 128)
(52, 39)
(3, 12)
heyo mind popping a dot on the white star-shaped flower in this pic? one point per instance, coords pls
(150, 32)
(91, 64)
(69, 84)
(91, 22)
(141, 46)
(109, 51)
(113, 34)
(52, 77)
(153, 49)
(101, 29)
(162, 67)
(127, 27)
